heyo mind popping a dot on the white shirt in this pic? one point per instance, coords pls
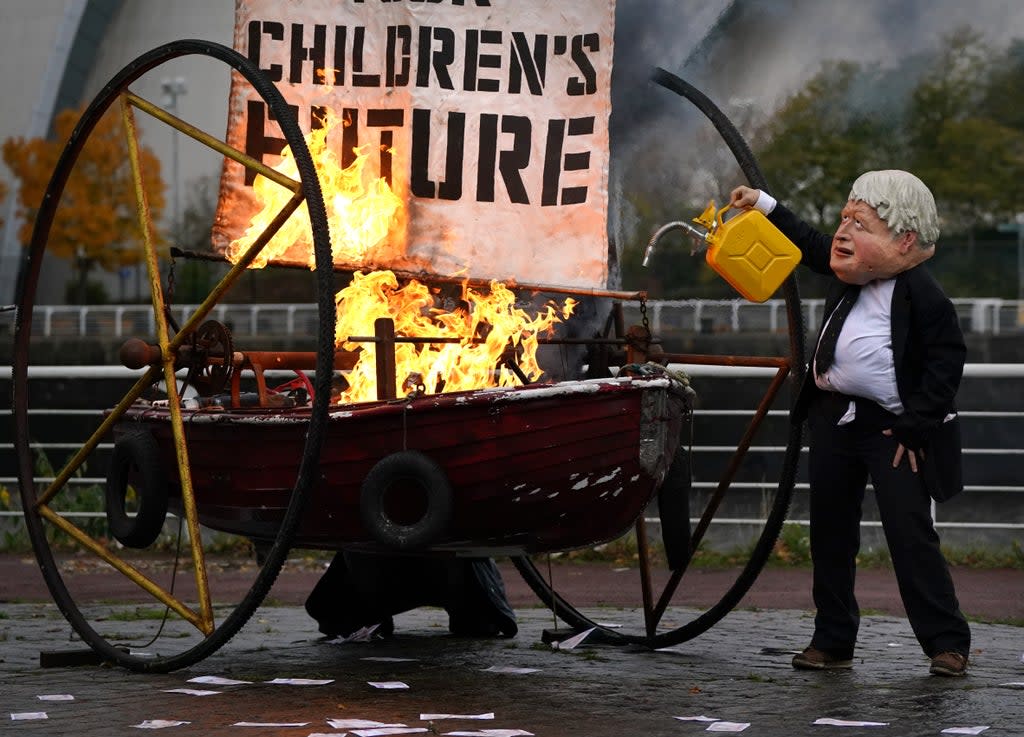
(863, 364)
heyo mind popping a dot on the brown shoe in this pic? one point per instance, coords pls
(814, 659)
(949, 664)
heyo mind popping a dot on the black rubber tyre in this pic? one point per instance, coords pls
(136, 454)
(425, 487)
(674, 510)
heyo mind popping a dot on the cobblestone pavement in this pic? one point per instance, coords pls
(736, 672)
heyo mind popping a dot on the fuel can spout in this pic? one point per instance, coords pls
(700, 237)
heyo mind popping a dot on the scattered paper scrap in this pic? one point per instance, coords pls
(432, 717)
(894, 644)
(1013, 684)
(510, 669)
(573, 641)
(386, 659)
(360, 724)
(56, 697)
(217, 681)
(270, 724)
(700, 718)
(381, 732)
(192, 691)
(963, 730)
(491, 733)
(160, 723)
(23, 716)
(301, 681)
(609, 625)
(363, 634)
(848, 723)
(723, 726)
(388, 684)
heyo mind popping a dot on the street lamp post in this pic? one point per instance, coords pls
(173, 88)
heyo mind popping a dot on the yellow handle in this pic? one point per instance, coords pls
(718, 217)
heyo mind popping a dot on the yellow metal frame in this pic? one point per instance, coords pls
(203, 618)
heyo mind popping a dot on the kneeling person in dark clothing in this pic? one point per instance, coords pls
(363, 589)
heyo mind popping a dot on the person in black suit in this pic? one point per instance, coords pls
(878, 397)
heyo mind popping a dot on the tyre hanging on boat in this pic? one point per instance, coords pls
(406, 501)
(136, 461)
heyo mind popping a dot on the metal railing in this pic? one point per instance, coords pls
(1000, 520)
(985, 315)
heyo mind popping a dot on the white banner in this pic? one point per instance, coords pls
(487, 118)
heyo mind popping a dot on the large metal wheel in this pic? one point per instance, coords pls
(677, 499)
(201, 622)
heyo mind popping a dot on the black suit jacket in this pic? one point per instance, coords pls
(928, 351)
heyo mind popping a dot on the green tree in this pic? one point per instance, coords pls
(96, 225)
(966, 139)
(818, 142)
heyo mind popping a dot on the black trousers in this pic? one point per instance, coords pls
(841, 460)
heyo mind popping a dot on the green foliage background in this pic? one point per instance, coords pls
(952, 116)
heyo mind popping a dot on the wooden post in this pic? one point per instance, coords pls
(384, 331)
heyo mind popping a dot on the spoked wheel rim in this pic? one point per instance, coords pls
(39, 516)
(654, 631)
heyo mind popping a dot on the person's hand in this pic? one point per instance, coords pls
(743, 197)
(901, 451)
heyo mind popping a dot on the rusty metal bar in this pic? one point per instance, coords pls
(237, 270)
(387, 387)
(167, 357)
(132, 573)
(723, 486)
(644, 562)
(212, 142)
(89, 446)
(435, 278)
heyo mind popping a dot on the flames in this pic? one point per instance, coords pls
(479, 335)
(360, 208)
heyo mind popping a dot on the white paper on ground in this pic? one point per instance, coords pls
(216, 681)
(573, 641)
(270, 724)
(386, 731)
(56, 697)
(301, 681)
(388, 684)
(491, 733)
(431, 717)
(360, 724)
(848, 723)
(23, 716)
(723, 726)
(963, 730)
(700, 718)
(510, 669)
(160, 723)
(192, 691)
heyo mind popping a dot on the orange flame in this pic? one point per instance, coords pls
(360, 214)
(484, 327)
(359, 210)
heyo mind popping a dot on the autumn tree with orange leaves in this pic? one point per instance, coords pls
(96, 224)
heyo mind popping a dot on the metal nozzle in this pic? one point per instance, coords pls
(699, 237)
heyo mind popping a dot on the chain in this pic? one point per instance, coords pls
(170, 283)
(643, 315)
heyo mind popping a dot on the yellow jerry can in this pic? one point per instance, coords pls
(749, 252)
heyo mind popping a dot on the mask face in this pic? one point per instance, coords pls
(864, 249)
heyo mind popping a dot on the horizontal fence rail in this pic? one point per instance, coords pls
(705, 455)
(981, 315)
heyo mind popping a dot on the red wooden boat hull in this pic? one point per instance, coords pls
(532, 469)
